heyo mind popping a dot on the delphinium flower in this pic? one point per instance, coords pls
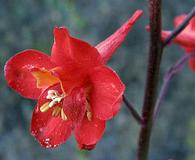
(186, 39)
(76, 91)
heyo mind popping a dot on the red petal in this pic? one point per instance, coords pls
(75, 105)
(87, 147)
(187, 36)
(107, 47)
(71, 53)
(106, 92)
(165, 34)
(191, 62)
(189, 50)
(117, 106)
(185, 39)
(178, 20)
(50, 131)
(71, 78)
(18, 75)
(192, 22)
(89, 132)
(190, 27)
(44, 78)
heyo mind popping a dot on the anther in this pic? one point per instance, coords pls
(88, 108)
(56, 112)
(54, 96)
(89, 115)
(55, 101)
(63, 116)
(52, 92)
(44, 107)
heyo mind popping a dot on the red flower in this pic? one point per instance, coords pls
(75, 90)
(186, 39)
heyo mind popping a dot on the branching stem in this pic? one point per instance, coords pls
(132, 110)
(155, 53)
(180, 28)
(151, 106)
(173, 71)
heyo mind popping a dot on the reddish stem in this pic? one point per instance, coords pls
(155, 53)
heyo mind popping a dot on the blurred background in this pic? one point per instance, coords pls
(28, 24)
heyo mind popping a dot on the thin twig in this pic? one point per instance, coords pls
(175, 69)
(180, 28)
(132, 110)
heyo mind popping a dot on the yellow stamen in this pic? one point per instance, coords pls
(89, 115)
(44, 107)
(63, 116)
(54, 96)
(56, 112)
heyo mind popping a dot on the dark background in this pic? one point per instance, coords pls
(28, 24)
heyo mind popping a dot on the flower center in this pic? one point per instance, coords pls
(73, 105)
(55, 98)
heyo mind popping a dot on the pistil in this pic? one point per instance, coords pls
(55, 97)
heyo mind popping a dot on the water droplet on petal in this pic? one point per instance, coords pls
(48, 146)
(47, 139)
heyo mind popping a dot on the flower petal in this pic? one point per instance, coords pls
(87, 147)
(117, 106)
(179, 19)
(107, 47)
(192, 64)
(106, 92)
(44, 77)
(18, 75)
(192, 22)
(71, 53)
(185, 39)
(49, 130)
(89, 132)
(56, 132)
(164, 34)
(189, 50)
(191, 61)
(74, 105)
(71, 78)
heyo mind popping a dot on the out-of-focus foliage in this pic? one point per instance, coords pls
(29, 23)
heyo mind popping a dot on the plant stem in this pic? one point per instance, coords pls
(132, 110)
(155, 53)
(174, 70)
(180, 28)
